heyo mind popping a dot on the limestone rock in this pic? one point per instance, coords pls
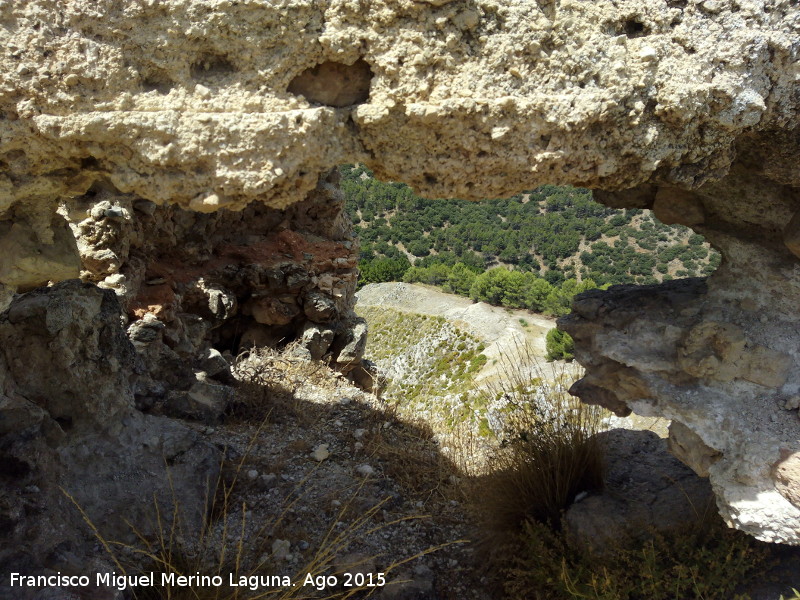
(61, 342)
(259, 100)
(682, 350)
(26, 261)
(68, 423)
(319, 307)
(274, 311)
(686, 445)
(349, 345)
(213, 363)
(316, 340)
(675, 206)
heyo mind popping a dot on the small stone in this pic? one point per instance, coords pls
(792, 403)
(213, 363)
(280, 549)
(358, 446)
(365, 470)
(359, 433)
(115, 212)
(145, 206)
(252, 474)
(648, 54)
(320, 453)
(268, 479)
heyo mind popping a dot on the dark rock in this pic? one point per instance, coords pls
(647, 490)
(319, 307)
(204, 401)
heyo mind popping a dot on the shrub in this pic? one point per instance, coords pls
(560, 345)
(546, 454)
(707, 561)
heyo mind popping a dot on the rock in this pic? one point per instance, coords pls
(675, 206)
(280, 549)
(145, 331)
(349, 345)
(647, 491)
(6, 296)
(213, 362)
(365, 470)
(319, 307)
(96, 447)
(681, 350)
(689, 448)
(38, 335)
(204, 401)
(392, 110)
(316, 340)
(787, 476)
(28, 261)
(274, 311)
(320, 453)
(18, 416)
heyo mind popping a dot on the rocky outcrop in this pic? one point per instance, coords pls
(194, 283)
(689, 107)
(70, 437)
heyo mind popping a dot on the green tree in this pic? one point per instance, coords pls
(559, 345)
(490, 286)
(460, 279)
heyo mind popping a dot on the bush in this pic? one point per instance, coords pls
(708, 561)
(560, 345)
(546, 454)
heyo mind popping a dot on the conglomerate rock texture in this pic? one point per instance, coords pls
(689, 107)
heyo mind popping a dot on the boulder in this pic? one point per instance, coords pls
(71, 439)
(647, 491)
(204, 401)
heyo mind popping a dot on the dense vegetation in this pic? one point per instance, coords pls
(550, 243)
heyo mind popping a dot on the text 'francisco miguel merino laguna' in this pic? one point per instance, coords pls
(252, 582)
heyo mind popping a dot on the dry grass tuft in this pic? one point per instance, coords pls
(547, 452)
(267, 381)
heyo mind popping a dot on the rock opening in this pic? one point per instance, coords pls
(334, 84)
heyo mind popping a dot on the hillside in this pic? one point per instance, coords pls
(559, 233)
(438, 355)
(437, 352)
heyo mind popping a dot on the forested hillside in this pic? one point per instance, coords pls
(551, 241)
